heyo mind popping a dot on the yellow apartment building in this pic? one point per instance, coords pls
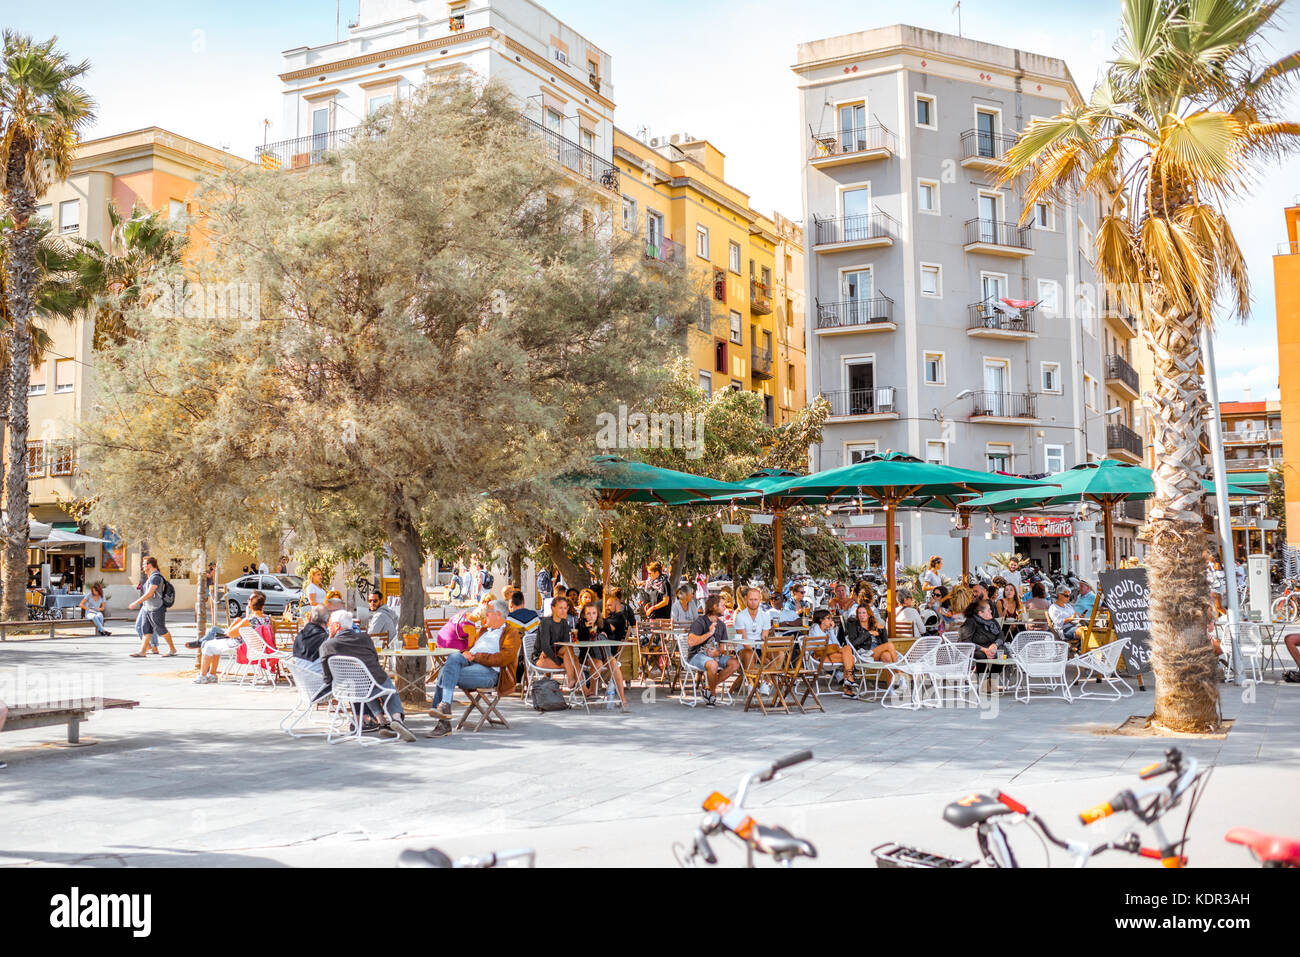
(675, 195)
(160, 170)
(1286, 290)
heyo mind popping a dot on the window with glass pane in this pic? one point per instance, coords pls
(1054, 458)
(61, 459)
(737, 329)
(35, 459)
(853, 127)
(1049, 298)
(702, 242)
(377, 103)
(36, 384)
(64, 370)
(935, 452)
(69, 216)
(859, 451)
(925, 193)
(934, 368)
(45, 213)
(706, 382)
(733, 256)
(924, 111)
(1043, 215)
(998, 458)
(629, 214)
(1051, 377)
(930, 280)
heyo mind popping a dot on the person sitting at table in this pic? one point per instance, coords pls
(686, 608)
(1087, 599)
(592, 627)
(385, 715)
(753, 624)
(1061, 614)
(1009, 603)
(798, 606)
(907, 613)
(93, 607)
(306, 644)
(1037, 600)
(704, 641)
(551, 633)
(981, 629)
(489, 663)
(863, 633)
(217, 642)
(383, 621)
(978, 593)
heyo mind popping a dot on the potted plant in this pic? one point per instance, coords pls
(411, 638)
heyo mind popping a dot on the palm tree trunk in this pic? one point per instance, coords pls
(20, 276)
(1187, 692)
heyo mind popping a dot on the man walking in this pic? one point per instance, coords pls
(155, 614)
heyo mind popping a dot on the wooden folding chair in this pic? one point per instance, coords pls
(771, 665)
(807, 669)
(484, 701)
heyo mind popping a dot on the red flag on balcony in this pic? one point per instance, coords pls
(1020, 303)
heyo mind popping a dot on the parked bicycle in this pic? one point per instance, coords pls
(1286, 607)
(432, 857)
(1148, 803)
(1270, 850)
(728, 815)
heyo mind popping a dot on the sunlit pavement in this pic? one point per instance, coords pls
(202, 775)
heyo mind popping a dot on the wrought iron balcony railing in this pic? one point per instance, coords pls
(1117, 367)
(860, 139)
(863, 227)
(995, 316)
(1004, 405)
(881, 400)
(996, 232)
(1123, 438)
(976, 144)
(855, 312)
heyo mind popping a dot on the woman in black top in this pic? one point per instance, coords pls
(981, 629)
(591, 627)
(550, 632)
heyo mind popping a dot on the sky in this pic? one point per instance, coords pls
(718, 69)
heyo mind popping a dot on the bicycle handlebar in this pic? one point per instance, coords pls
(790, 760)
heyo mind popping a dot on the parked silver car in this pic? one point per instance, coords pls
(280, 590)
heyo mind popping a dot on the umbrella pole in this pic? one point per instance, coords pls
(605, 559)
(1108, 523)
(776, 533)
(889, 565)
(965, 544)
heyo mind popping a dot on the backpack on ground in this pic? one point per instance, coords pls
(547, 695)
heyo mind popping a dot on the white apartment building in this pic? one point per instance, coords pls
(562, 79)
(936, 324)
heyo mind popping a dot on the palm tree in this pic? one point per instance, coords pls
(1182, 121)
(42, 112)
(115, 280)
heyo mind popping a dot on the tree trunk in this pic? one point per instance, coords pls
(516, 568)
(20, 276)
(1187, 691)
(675, 571)
(408, 551)
(574, 576)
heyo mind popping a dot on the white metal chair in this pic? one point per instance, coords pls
(1042, 662)
(263, 659)
(309, 683)
(533, 670)
(1019, 642)
(952, 666)
(353, 688)
(1102, 663)
(911, 668)
(695, 677)
(1251, 642)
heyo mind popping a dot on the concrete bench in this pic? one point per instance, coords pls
(45, 716)
(30, 627)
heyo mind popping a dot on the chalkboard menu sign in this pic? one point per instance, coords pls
(1128, 598)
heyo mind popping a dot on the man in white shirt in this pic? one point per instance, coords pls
(470, 669)
(753, 623)
(1011, 575)
(1061, 613)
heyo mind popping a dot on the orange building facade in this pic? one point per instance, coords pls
(1286, 286)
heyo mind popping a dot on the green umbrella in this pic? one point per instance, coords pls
(615, 479)
(1103, 483)
(896, 480)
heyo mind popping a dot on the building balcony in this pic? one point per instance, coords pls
(855, 315)
(1122, 376)
(993, 319)
(665, 251)
(578, 160)
(999, 238)
(1122, 442)
(760, 298)
(1252, 436)
(1121, 323)
(863, 231)
(864, 404)
(760, 363)
(860, 145)
(986, 151)
(1004, 408)
(304, 151)
(1253, 464)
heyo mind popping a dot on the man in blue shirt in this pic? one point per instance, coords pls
(1087, 599)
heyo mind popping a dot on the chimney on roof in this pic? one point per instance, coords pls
(1246, 394)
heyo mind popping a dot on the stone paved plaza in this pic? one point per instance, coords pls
(201, 775)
